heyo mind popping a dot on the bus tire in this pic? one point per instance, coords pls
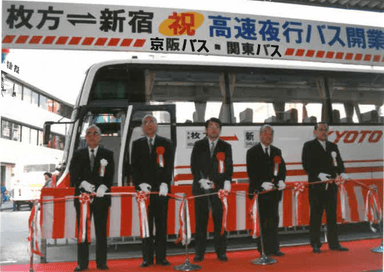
(17, 204)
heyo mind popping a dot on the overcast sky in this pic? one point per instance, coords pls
(61, 72)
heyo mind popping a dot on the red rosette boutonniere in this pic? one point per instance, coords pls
(221, 157)
(277, 161)
(160, 155)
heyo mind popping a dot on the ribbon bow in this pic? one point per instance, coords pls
(298, 190)
(160, 155)
(373, 211)
(141, 198)
(277, 161)
(34, 230)
(223, 195)
(254, 215)
(221, 157)
(185, 224)
(85, 218)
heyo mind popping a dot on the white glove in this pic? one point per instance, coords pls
(205, 184)
(145, 187)
(344, 176)
(227, 186)
(266, 185)
(163, 189)
(281, 185)
(101, 190)
(324, 177)
(87, 186)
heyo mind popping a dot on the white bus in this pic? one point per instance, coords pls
(183, 94)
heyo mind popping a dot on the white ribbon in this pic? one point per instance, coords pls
(144, 227)
(103, 164)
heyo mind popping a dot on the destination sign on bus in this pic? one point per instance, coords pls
(44, 25)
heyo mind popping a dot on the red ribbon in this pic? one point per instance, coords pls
(223, 195)
(141, 198)
(221, 157)
(185, 226)
(343, 197)
(254, 214)
(160, 155)
(277, 161)
(84, 234)
(298, 190)
(34, 230)
(373, 211)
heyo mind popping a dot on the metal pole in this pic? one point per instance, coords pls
(263, 259)
(186, 266)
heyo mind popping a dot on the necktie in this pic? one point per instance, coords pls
(212, 148)
(266, 152)
(92, 159)
(150, 145)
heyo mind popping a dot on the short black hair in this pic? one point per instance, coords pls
(320, 123)
(48, 174)
(213, 119)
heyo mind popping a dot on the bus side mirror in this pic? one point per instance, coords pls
(47, 132)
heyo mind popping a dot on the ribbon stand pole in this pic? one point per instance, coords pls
(187, 265)
(379, 249)
(263, 259)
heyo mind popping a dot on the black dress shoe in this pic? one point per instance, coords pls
(198, 258)
(79, 268)
(222, 257)
(146, 264)
(103, 267)
(163, 262)
(316, 250)
(278, 253)
(339, 248)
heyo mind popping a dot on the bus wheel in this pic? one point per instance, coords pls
(17, 206)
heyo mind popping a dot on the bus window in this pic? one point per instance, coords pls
(197, 95)
(357, 98)
(368, 113)
(253, 112)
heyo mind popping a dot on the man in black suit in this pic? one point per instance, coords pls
(211, 163)
(266, 170)
(152, 170)
(322, 161)
(91, 171)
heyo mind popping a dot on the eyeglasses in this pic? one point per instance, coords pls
(92, 133)
(147, 123)
(213, 127)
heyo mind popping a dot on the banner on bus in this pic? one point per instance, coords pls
(45, 25)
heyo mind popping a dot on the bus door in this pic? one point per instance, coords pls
(166, 121)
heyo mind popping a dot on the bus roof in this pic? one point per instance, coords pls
(193, 60)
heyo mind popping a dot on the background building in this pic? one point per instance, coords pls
(23, 110)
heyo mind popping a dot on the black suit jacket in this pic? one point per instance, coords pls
(260, 168)
(146, 169)
(80, 169)
(316, 160)
(205, 167)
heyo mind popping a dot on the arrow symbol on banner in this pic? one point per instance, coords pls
(81, 19)
(229, 138)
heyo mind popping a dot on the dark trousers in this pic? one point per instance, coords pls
(156, 243)
(99, 209)
(269, 220)
(320, 200)
(201, 218)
